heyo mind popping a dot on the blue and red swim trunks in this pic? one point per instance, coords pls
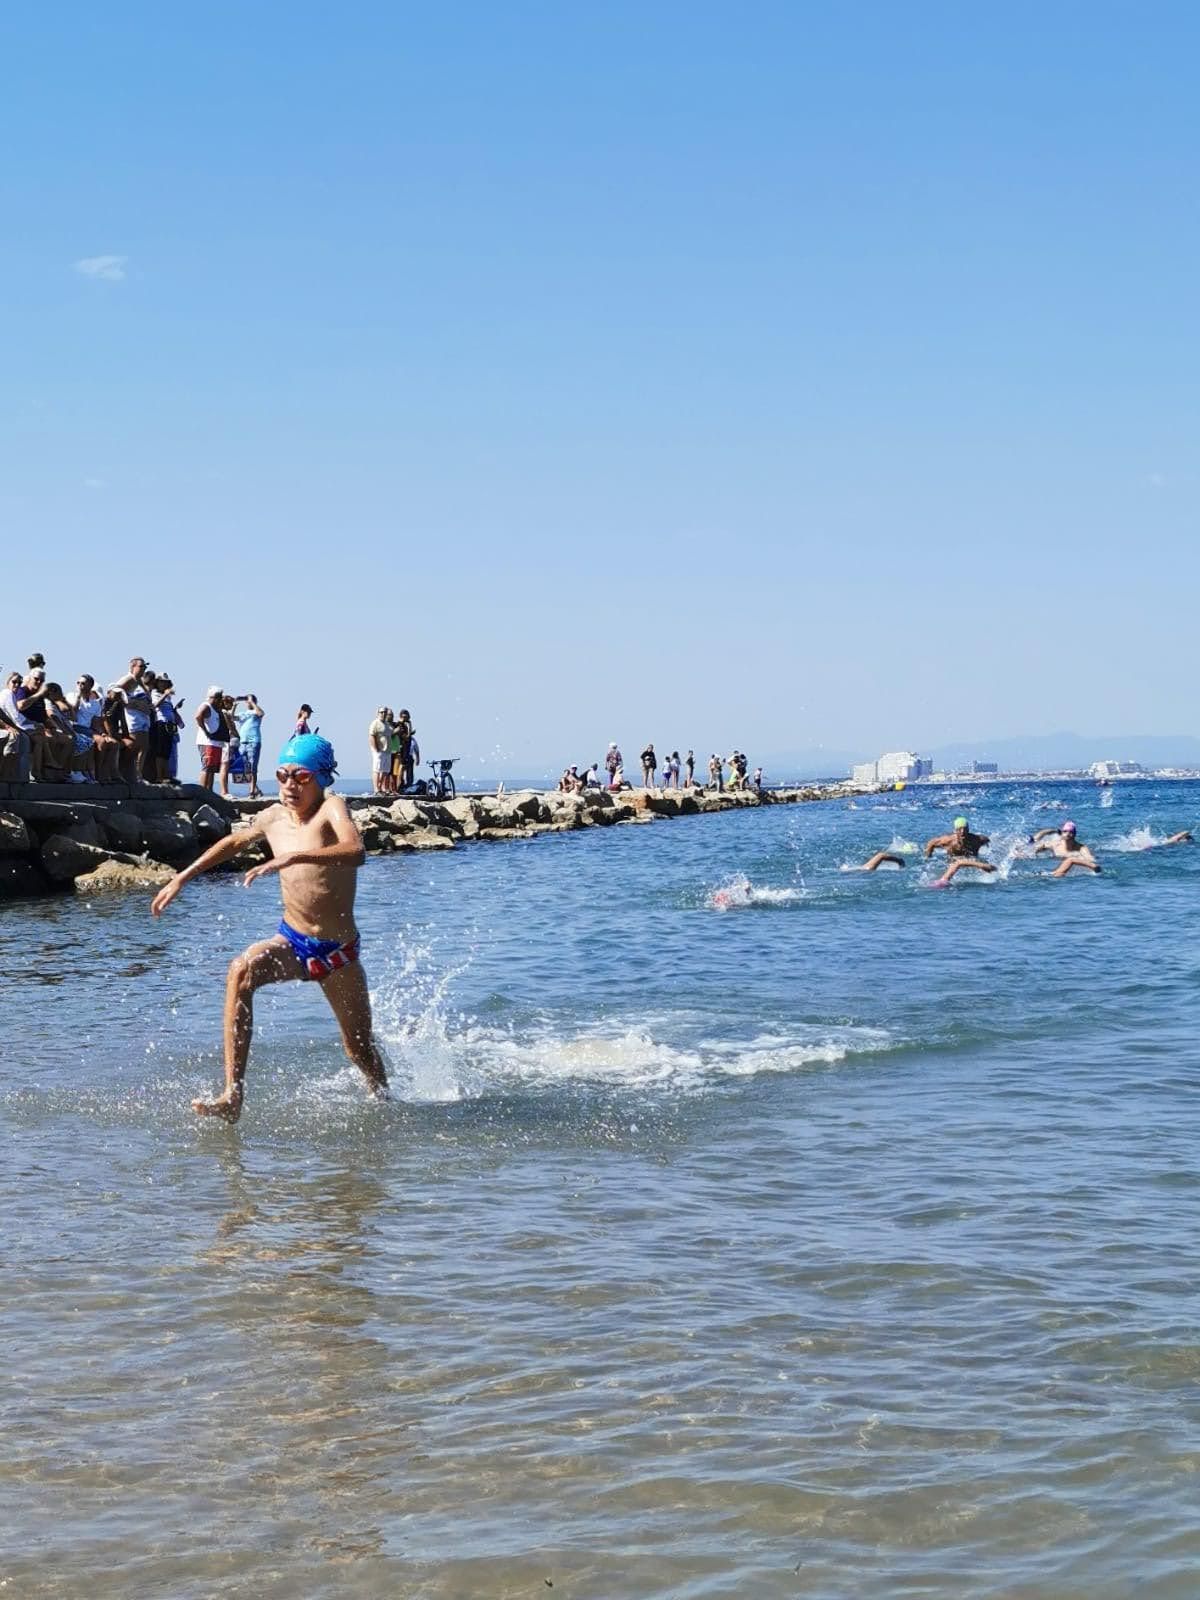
(320, 957)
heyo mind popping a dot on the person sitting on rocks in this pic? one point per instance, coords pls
(51, 751)
(60, 722)
(87, 711)
(592, 776)
(15, 744)
(112, 718)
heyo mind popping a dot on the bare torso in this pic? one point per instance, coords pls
(317, 900)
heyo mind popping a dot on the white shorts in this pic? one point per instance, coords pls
(383, 762)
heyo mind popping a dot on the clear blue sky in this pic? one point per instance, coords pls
(778, 374)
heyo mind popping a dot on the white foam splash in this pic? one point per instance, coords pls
(641, 1054)
(738, 892)
(1143, 838)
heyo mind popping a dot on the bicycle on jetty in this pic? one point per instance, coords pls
(441, 785)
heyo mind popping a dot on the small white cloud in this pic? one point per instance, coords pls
(93, 483)
(110, 268)
(1157, 480)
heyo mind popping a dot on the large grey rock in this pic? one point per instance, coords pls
(113, 874)
(65, 859)
(209, 825)
(21, 879)
(14, 836)
(188, 796)
(89, 832)
(408, 812)
(169, 838)
(123, 831)
(527, 804)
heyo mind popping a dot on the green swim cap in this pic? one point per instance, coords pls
(960, 822)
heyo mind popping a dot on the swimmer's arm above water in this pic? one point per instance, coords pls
(212, 857)
(939, 843)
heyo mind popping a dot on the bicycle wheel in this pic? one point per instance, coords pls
(448, 789)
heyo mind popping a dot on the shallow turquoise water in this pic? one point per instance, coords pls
(837, 1243)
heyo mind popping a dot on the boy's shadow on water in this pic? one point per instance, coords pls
(292, 1304)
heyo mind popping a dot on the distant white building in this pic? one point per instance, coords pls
(898, 766)
(984, 769)
(1116, 769)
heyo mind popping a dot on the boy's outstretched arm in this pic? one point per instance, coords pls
(212, 857)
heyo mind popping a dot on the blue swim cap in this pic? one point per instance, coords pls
(310, 751)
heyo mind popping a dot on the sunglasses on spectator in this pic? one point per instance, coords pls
(299, 775)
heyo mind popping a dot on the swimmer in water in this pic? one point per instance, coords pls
(963, 847)
(1067, 846)
(316, 850)
(880, 857)
(1184, 837)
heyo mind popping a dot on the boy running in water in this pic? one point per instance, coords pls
(316, 850)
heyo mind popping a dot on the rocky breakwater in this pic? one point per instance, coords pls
(405, 825)
(92, 839)
(97, 837)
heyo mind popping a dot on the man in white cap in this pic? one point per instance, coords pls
(212, 734)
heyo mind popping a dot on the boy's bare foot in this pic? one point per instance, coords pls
(228, 1106)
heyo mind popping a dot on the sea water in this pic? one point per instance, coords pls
(743, 1224)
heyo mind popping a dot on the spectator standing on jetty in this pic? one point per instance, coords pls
(249, 726)
(649, 767)
(138, 715)
(302, 717)
(211, 735)
(756, 780)
(379, 741)
(410, 750)
(689, 766)
(230, 754)
(715, 779)
(612, 761)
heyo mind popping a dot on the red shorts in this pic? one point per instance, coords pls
(210, 758)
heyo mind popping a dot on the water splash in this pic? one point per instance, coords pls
(1143, 838)
(738, 892)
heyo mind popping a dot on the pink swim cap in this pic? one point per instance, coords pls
(1067, 827)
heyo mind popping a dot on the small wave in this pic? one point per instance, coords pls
(1106, 799)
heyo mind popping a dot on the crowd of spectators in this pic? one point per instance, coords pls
(677, 772)
(128, 732)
